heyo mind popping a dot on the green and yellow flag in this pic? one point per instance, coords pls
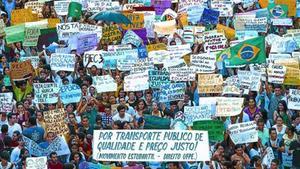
(278, 11)
(246, 52)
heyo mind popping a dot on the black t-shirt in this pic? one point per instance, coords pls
(295, 145)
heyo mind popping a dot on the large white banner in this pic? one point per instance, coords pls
(150, 145)
(104, 83)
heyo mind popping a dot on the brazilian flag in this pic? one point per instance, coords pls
(278, 11)
(246, 52)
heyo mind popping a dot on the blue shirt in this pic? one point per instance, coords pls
(9, 7)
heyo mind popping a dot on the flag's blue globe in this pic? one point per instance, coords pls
(247, 52)
(277, 11)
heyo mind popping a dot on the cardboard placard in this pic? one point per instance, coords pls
(55, 121)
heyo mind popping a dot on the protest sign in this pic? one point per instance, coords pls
(86, 42)
(161, 5)
(142, 65)
(244, 35)
(55, 121)
(31, 36)
(184, 73)
(197, 113)
(282, 22)
(141, 34)
(214, 42)
(70, 93)
(288, 62)
(45, 93)
(137, 21)
(104, 84)
(155, 47)
(294, 99)
(2, 26)
(215, 129)
(172, 92)
(130, 7)
(52, 22)
(287, 160)
(276, 73)
(42, 24)
(249, 80)
(111, 34)
(284, 45)
(58, 145)
(14, 33)
(114, 48)
(224, 6)
(125, 64)
(229, 106)
(243, 132)
(121, 54)
(6, 102)
(93, 58)
(21, 70)
(34, 60)
(62, 62)
(267, 160)
(251, 24)
(142, 52)
(141, 145)
(67, 30)
(158, 78)
(210, 83)
(149, 19)
(229, 32)
(131, 38)
(19, 16)
(109, 64)
(188, 34)
(155, 122)
(210, 16)
(36, 162)
(90, 29)
(292, 76)
(96, 6)
(61, 7)
(136, 82)
(277, 56)
(160, 57)
(184, 5)
(177, 51)
(35, 6)
(165, 28)
(291, 6)
(231, 90)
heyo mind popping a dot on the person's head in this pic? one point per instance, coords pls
(273, 133)
(260, 124)
(290, 130)
(74, 148)
(186, 97)
(131, 96)
(76, 157)
(155, 106)
(173, 105)
(16, 135)
(20, 107)
(238, 149)
(279, 121)
(4, 128)
(39, 115)
(71, 117)
(274, 164)
(4, 156)
(3, 59)
(32, 121)
(126, 125)
(282, 107)
(121, 110)
(251, 103)
(84, 88)
(85, 121)
(50, 136)
(139, 94)
(149, 97)
(173, 165)
(112, 99)
(257, 116)
(107, 109)
(12, 118)
(256, 160)
(24, 153)
(53, 156)
(51, 106)
(277, 90)
(117, 125)
(21, 142)
(141, 105)
(172, 43)
(69, 108)
(26, 104)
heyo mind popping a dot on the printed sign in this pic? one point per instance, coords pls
(62, 62)
(137, 20)
(21, 70)
(215, 129)
(294, 99)
(98, 5)
(267, 160)
(197, 113)
(251, 24)
(214, 42)
(86, 42)
(93, 58)
(31, 36)
(125, 64)
(61, 7)
(136, 82)
(34, 60)
(6, 102)
(70, 93)
(36, 162)
(276, 73)
(224, 6)
(58, 145)
(111, 34)
(172, 92)
(19, 16)
(182, 74)
(45, 93)
(157, 78)
(210, 83)
(66, 30)
(184, 5)
(243, 132)
(142, 65)
(204, 62)
(165, 28)
(131, 38)
(104, 84)
(135, 145)
(90, 29)
(229, 106)
(55, 121)
(35, 6)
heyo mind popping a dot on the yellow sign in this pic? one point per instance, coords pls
(52, 22)
(137, 20)
(158, 46)
(291, 6)
(229, 32)
(111, 34)
(292, 76)
(19, 16)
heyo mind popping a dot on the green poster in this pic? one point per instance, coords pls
(15, 33)
(31, 36)
(215, 129)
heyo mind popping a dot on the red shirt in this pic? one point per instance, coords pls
(55, 165)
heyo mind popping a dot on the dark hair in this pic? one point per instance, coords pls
(22, 152)
(68, 166)
(81, 136)
(276, 161)
(238, 146)
(139, 101)
(4, 128)
(108, 106)
(32, 121)
(9, 116)
(272, 129)
(121, 107)
(5, 155)
(175, 164)
(52, 153)
(283, 104)
(76, 153)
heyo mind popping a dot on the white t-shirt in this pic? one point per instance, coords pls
(15, 127)
(15, 155)
(127, 117)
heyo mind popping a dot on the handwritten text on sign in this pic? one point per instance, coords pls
(243, 132)
(149, 145)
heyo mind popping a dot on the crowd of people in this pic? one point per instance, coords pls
(278, 127)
